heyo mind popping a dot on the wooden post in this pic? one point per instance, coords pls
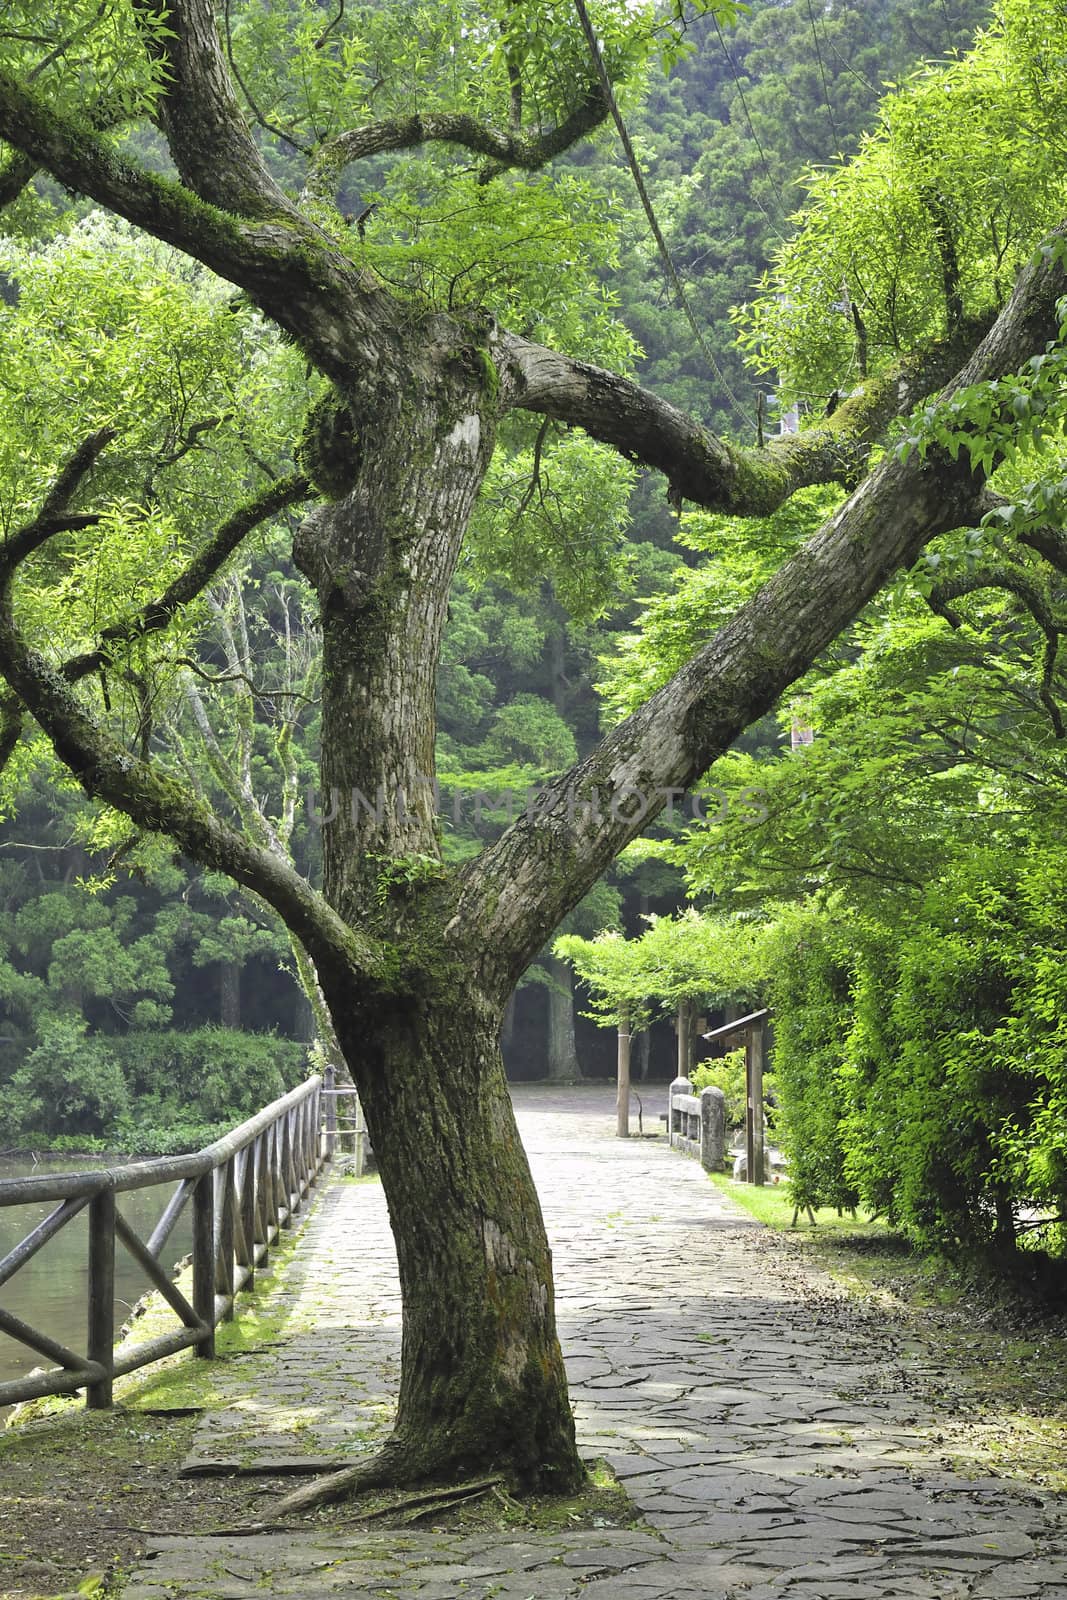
(247, 1235)
(622, 1103)
(101, 1296)
(754, 1103)
(204, 1260)
(359, 1138)
(682, 1029)
(226, 1199)
(329, 1084)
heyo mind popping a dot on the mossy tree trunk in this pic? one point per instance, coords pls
(482, 1385)
(482, 1379)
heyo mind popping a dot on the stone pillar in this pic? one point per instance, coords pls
(712, 1129)
(679, 1086)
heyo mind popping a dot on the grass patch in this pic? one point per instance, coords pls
(772, 1204)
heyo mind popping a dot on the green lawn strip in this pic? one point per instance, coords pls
(772, 1204)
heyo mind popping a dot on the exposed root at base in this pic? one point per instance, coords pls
(383, 1471)
(429, 1475)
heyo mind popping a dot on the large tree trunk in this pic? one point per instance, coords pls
(563, 1065)
(482, 1381)
(230, 994)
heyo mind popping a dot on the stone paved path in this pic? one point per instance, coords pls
(763, 1438)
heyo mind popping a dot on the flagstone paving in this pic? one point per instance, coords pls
(764, 1435)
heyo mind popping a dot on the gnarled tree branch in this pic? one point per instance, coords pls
(208, 136)
(288, 267)
(699, 466)
(520, 887)
(526, 151)
(107, 771)
(1039, 607)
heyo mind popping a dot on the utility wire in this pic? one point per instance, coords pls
(653, 222)
(822, 75)
(752, 130)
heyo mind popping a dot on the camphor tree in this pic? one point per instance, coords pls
(424, 369)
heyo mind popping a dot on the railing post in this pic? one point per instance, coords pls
(679, 1086)
(225, 1277)
(359, 1137)
(246, 1256)
(329, 1084)
(204, 1260)
(101, 1343)
(712, 1129)
(314, 1136)
(277, 1194)
(290, 1182)
(263, 1193)
(754, 1095)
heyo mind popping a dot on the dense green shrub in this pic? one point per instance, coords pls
(210, 1074)
(69, 1083)
(150, 1093)
(809, 965)
(922, 1066)
(727, 1074)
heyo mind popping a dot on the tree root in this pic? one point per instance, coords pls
(396, 1466)
(381, 1472)
(423, 1503)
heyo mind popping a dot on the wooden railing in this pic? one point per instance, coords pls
(243, 1190)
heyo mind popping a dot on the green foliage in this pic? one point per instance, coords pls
(210, 1075)
(930, 221)
(738, 555)
(689, 957)
(727, 1074)
(69, 1084)
(558, 512)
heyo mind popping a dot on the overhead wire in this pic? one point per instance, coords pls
(752, 130)
(822, 74)
(634, 165)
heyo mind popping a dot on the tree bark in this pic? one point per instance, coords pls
(482, 1382)
(230, 994)
(562, 1056)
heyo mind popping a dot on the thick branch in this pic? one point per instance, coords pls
(107, 771)
(699, 466)
(160, 804)
(527, 151)
(519, 889)
(1039, 607)
(288, 267)
(16, 172)
(194, 580)
(54, 516)
(1051, 543)
(209, 139)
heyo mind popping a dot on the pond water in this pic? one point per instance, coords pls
(51, 1290)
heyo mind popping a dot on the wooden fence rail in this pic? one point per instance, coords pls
(243, 1190)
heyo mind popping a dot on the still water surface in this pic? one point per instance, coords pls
(50, 1291)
